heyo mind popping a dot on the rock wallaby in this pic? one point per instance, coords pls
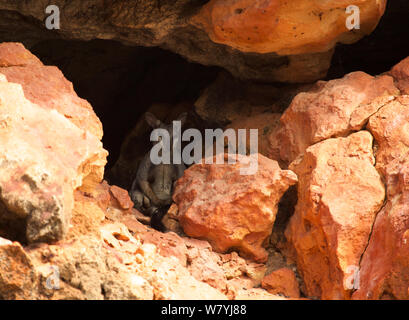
(152, 187)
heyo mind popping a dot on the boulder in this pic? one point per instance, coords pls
(384, 269)
(303, 31)
(17, 275)
(38, 172)
(229, 209)
(339, 195)
(274, 26)
(331, 109)
(282, 281)
(268, 41)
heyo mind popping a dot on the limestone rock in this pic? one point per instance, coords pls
(339, 194)
(229, 209)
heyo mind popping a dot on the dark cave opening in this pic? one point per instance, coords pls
(378, 52)
(123, 82)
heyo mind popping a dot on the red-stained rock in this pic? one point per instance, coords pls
(285, 27)
(339, 194)
(229, 209)
(334, 108)
(17, 277)
(390, 128)
(47, 87)
(257, 294)
(265, 123)
(282, 281)
(304, 31)
(400, 73)
(384, 269)
(38, 171)
(122, 197)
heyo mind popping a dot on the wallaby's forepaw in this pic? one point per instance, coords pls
(138, 199)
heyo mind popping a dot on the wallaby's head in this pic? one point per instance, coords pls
(155, 123)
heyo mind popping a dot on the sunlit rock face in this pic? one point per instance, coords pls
(286, 27)
(339, 195)
(50, 146)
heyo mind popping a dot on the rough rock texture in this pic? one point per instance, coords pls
(176, 25)
(331, 109)
(119, 258)
(339, 194)
(305, 31)
(390, 129)
(229, 209)
(400, 74)
(16, 272)
(274, 26)
(384, 269)
(40, 116)
(282, 281)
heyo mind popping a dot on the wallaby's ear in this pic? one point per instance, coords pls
(182, 118)
(152, 120)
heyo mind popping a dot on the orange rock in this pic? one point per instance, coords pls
(256, 294)
(39, 173)
(400, 73)
(282, 281)
(339, 194)
(47, 87)
(17, 277)
(390, 128)
(122, 197)
(331, 109)
(285, 27)
(231, 210)
(384, 269)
